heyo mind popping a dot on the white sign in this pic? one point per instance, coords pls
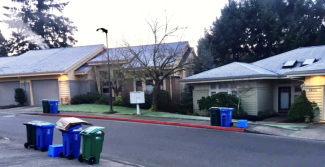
(137, 97)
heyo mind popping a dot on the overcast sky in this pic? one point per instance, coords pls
(125, 19)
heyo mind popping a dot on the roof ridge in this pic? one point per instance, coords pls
(242, 64)
(64, 47)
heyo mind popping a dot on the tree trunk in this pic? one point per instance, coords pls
(155, 93)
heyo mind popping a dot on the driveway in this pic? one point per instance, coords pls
(18, 110)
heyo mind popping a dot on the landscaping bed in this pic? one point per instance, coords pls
(96, 108)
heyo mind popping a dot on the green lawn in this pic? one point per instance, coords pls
(94, 108)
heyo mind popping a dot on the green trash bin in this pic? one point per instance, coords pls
(46, 106)
(92, 144)
(215, 119)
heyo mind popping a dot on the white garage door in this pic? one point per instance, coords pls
(45, 89)
(7, 93)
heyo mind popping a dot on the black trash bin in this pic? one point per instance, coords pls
(31, 134)
(46, 106)
(215, 119)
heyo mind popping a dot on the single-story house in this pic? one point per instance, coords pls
(122, 56)
(63, 73)
(269, 84)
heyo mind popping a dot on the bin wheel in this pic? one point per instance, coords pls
(61, 154)
(232, 124)
(35, 147)
(70, 156)
(26, 145)
(80, 159)
(43, 149)
(91, 160)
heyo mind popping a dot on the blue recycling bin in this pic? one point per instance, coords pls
(54, 106)
(44, 136)
(226, 116)
(71, 140)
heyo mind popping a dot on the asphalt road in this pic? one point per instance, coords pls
(162, 145)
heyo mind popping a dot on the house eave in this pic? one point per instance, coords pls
(227, 79)
(19, 75)
(306, 73)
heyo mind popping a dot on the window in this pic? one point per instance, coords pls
(308, 61)
(223, 85)
(213, 86)
(290, 63)
(138, 86)
(234, 93)
(105, 90)
(149, 86)
(213, 93)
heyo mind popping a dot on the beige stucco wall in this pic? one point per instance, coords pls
(314, 87)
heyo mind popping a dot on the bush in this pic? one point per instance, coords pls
(89, 98)
(20, 96)
(148, 101)
(126, 99)
(221, 100)
(300, 108)
(104, 99)
(266, 114)
(186, 103)
(118, 101)
(165, 102)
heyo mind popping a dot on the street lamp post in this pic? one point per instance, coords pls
(109, 71)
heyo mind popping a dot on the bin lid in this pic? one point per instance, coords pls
(92, 130)
(221, 108)
(77, 127)
(53, 101)
(45, 124)
(67, 122)
(32, 122)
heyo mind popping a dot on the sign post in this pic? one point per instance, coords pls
(137, 98)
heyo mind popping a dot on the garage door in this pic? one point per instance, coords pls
(45, 89)
(7, 93)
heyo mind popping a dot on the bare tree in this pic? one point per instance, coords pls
(242, 89)
(157, 61)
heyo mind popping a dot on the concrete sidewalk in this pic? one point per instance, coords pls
(13, 153)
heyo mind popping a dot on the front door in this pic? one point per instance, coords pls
(284, 99)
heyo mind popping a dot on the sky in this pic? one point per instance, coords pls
(126, 19)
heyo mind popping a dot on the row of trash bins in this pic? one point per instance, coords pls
(222, 116)
(50, 106)
(40, 137)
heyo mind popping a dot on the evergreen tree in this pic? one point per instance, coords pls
(250, 30)
(37, 25)
(3, 46)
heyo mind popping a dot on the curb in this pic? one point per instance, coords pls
(148, 121)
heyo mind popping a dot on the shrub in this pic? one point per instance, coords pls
(300, 108)
(20, 96)
(148, 101)
(118, 101)
(186, 103)
(126, 98)
(165, 102)
(266, 114)
(104, 99)
(221, 100)
(89, 98)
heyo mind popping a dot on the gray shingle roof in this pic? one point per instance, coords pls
(146, 53)
(272, 66)
(232, 71)
(50, 60)
(315, 67)
(276, 62)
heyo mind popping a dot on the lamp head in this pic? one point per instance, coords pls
(103, 30)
